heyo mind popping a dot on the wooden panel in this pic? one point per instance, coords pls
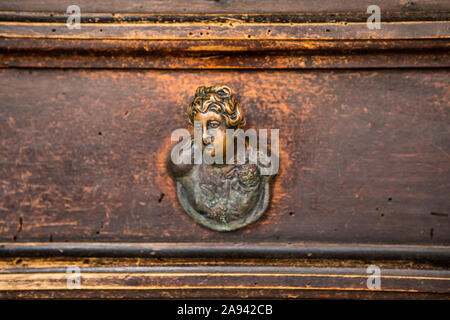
(83, 154)
(171, 278)
(209, 294)
(235, 45)
(192, 251)
(236, 31)
(85, 122)
(227, 6)
(222, 54)
(146, 277)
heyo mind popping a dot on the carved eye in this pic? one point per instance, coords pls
(213, 124)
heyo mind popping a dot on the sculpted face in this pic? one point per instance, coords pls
(213, 132)
(220, 195)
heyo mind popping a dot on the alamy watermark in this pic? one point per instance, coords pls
(74, 19)
(74, 277)
(374, 20)
(374, 280)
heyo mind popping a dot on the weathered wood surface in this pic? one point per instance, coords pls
(200, 278)
(85, 123)
(364, 154)
(222, 54)
(198, 7)
(219, 294)
(226, 31)
(232, 45)
(226, 278)
(438, 255)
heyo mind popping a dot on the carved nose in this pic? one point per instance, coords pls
(208, 139)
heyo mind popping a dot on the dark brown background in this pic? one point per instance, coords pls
(85, 122)
(364, 154)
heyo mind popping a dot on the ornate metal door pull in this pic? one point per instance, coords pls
(233, 190)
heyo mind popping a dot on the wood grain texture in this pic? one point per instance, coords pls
(83, 155)
(264, 278)
(214, 61)
(219, 294)
(287, 17)
(218, 45)
(227, 31)
(438, 255)
(227, 6)
(309, 279)
(85, 122)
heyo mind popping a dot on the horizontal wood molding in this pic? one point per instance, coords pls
(217, 294)
(229, 6)
(224, 61)
(349, 172)
(231, 31)
(270, 281)
(221, 45)
(438, 254)
(286, 18)
(85, 130)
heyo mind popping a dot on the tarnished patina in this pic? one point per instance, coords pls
(225, 196)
